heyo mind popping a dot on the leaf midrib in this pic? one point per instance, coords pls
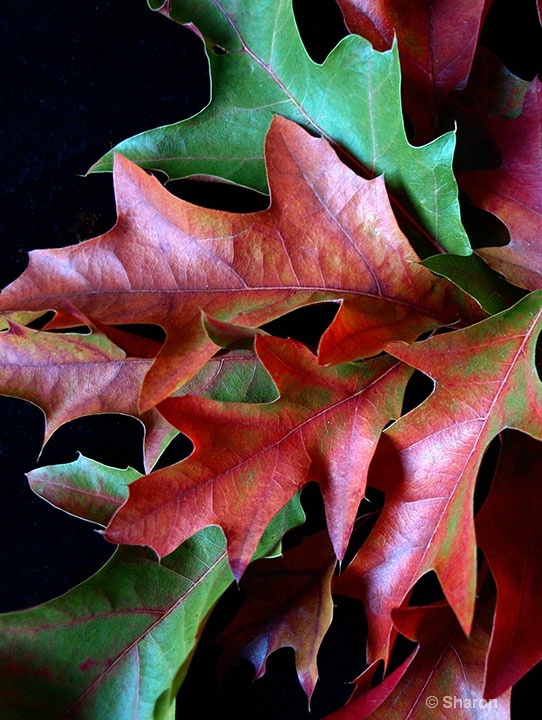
(162, 615)
(342, 151)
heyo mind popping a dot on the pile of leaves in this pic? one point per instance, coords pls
(294, 346)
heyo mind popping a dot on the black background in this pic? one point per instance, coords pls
(78, 77)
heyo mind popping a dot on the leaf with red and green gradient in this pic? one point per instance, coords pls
(94, 492)
(133, 613)
(288, 603)
(119, 644)
(327, 235)
(69, 375)
(436, 43)
(249, 459)
(72, 375)
(513, 192)
(428, 462)
(237, 376)
(84, 488)
(259, 69)
(443, 677)
(509, 531)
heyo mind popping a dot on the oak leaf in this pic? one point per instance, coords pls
(509, 532)
(443, 676)
(513, 192)
(71, 375)
(85, 652)
(88, 652)
(436, 44)
(250, 459)
(288, 603)
(84, 488)
(327, 235)
(427, 465)
(93, 491)
(260, 68)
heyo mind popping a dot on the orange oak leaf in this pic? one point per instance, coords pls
(436, 48)
(513, 192)
(288, 604)
(327, 235)
(443, 676)
(509, 530)
(250, 459)
(427, 466)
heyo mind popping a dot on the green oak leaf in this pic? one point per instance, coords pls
(119, 644)
(259, 67)
(476, 278)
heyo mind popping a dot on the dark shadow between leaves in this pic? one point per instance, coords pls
(321, 26)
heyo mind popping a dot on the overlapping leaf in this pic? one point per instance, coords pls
(84, 488)
(436, 43)
(513, 192)
(44, 368)
(266, 422)
(94, 492)
(72, 375)
(119, 644)
(327, 235)
(250, 459)
(486, 381)
(260, 68)
(443, 677)
(85, 654)
(509, 532)
(475, 276)
(288, 604)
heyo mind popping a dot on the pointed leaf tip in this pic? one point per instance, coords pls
(251, 85)
(323, 237)
(249, 459)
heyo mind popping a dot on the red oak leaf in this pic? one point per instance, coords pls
(486, 381)
(250, 459)
(73, 375)
(69, 375)
(288, 604)
(443, 677)
(513, 192)
(436, 47)
(509, 530)
(327, 235)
